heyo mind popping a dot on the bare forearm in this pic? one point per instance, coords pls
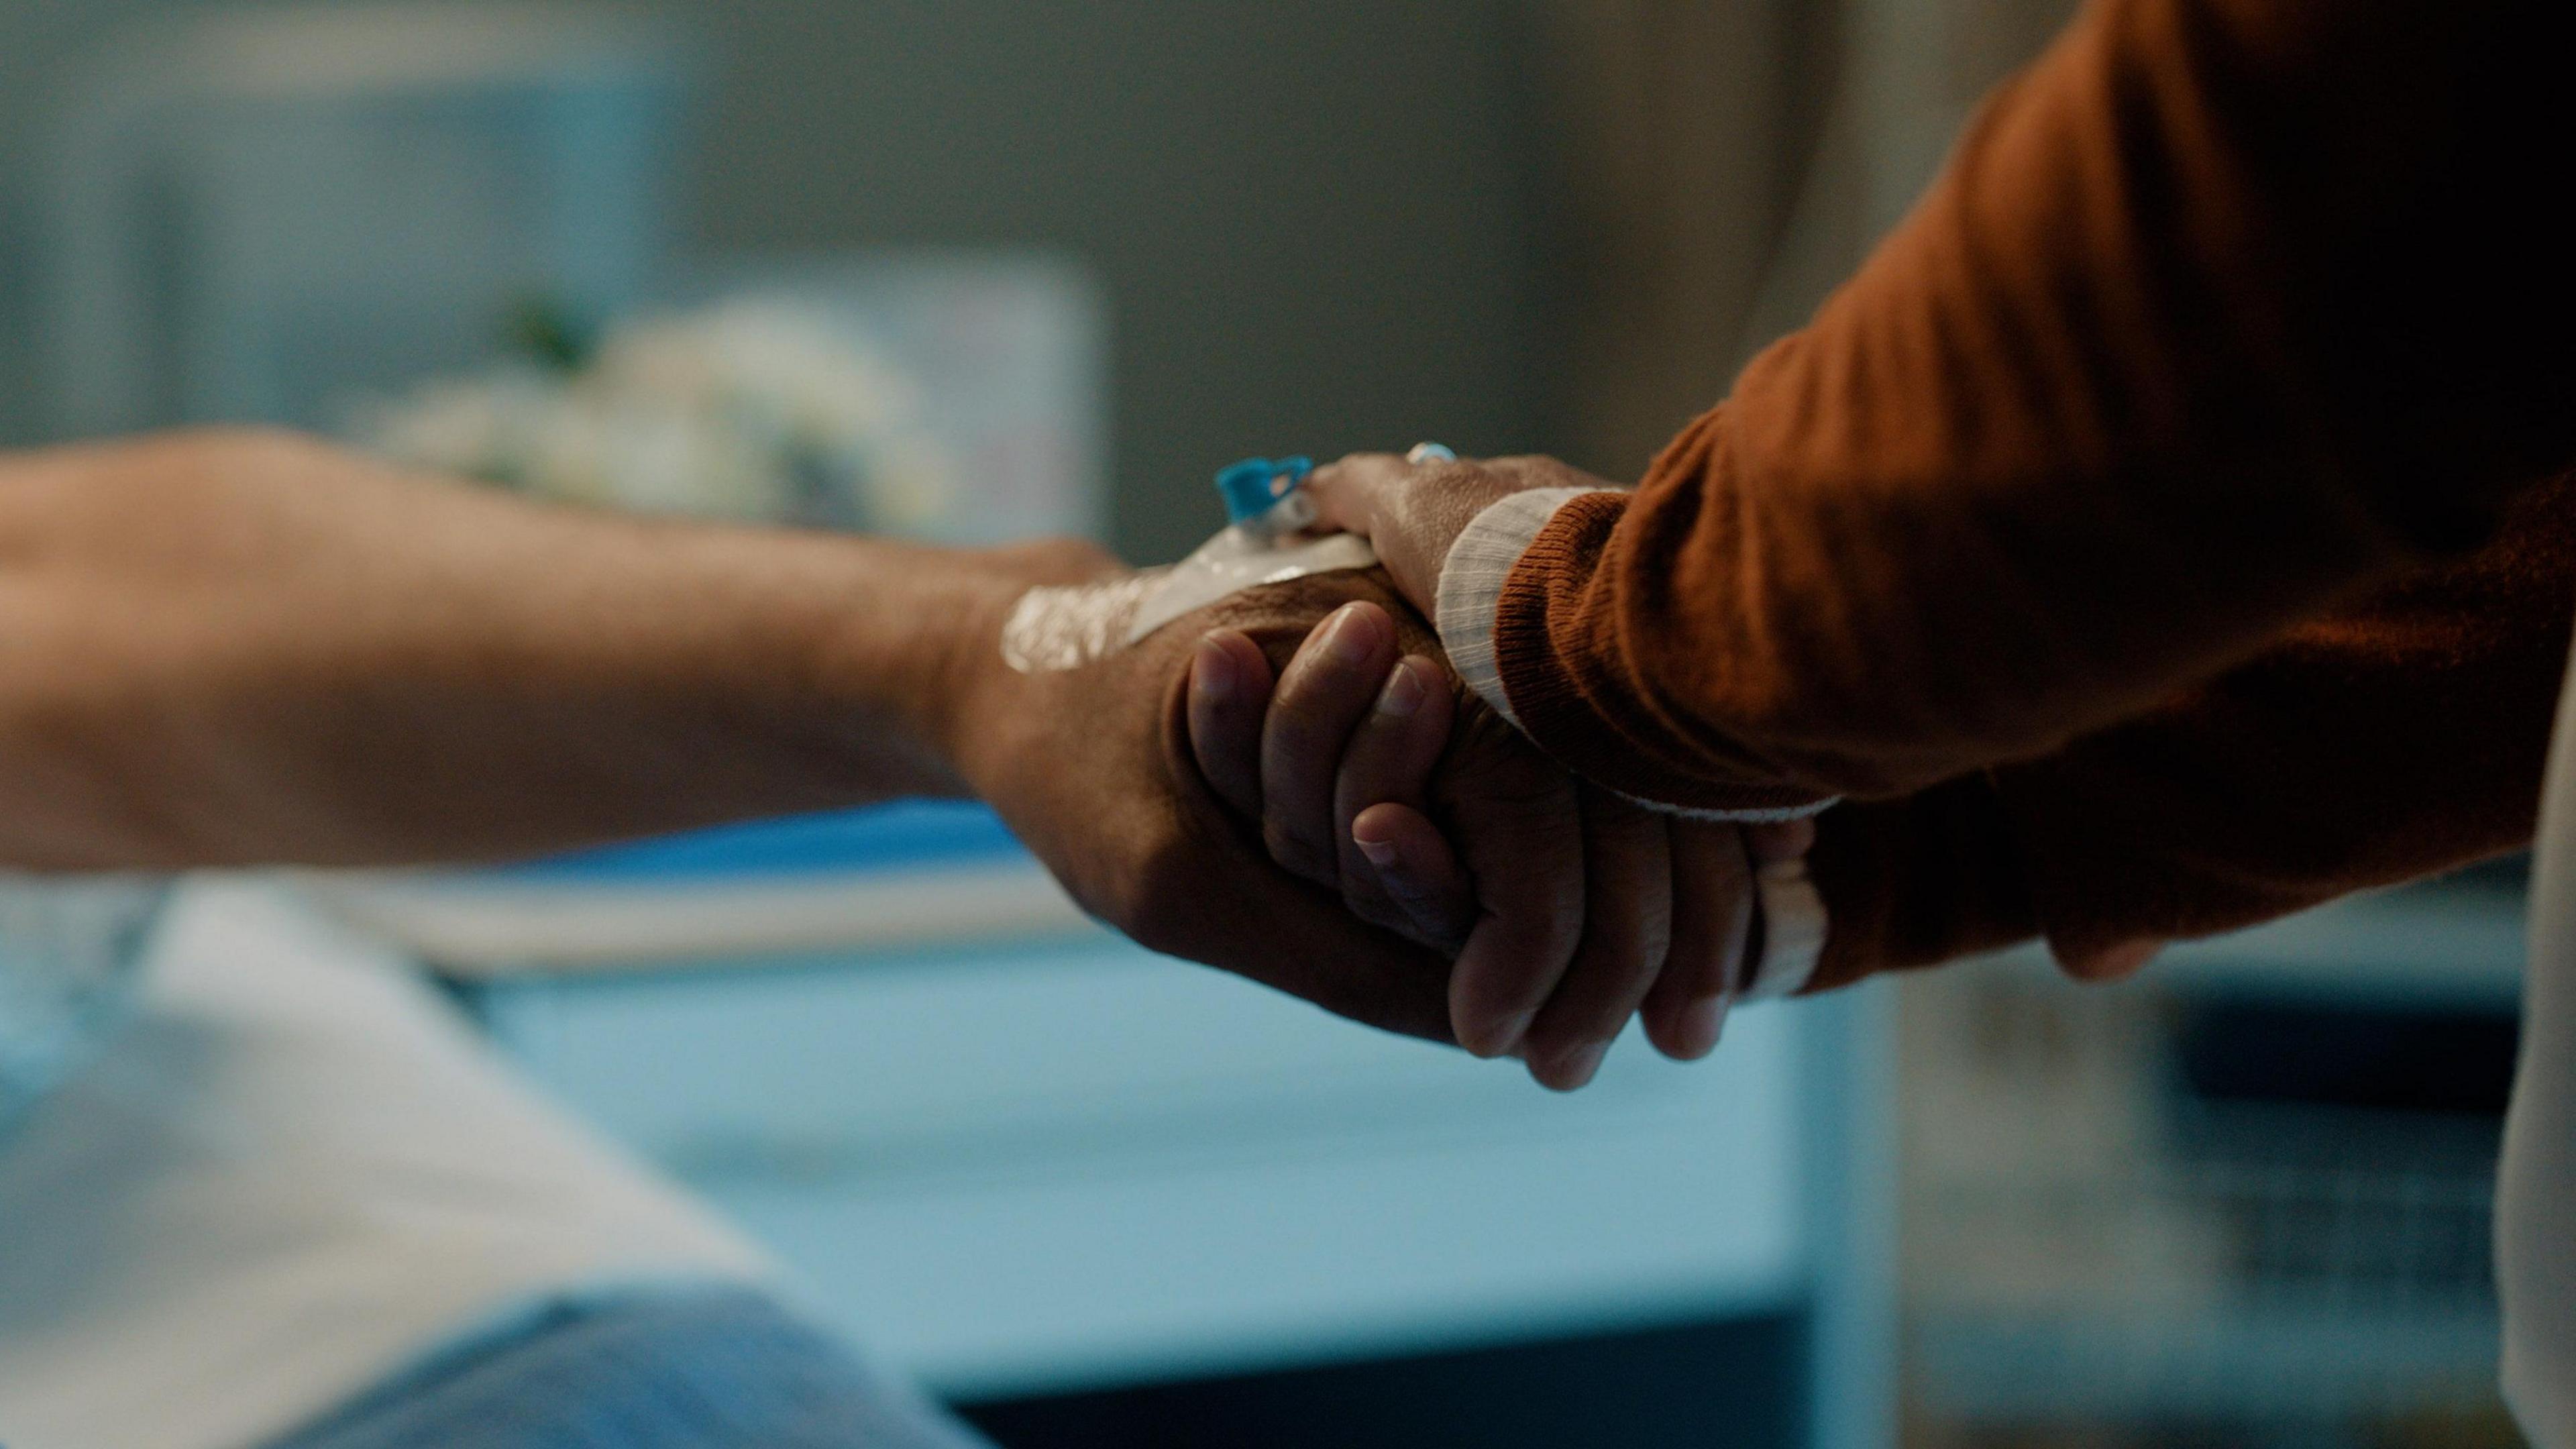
(232, 649)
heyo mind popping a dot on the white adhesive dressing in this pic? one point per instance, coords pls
(1067, 626)
(1243, 558)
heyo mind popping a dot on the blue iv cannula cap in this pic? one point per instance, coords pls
(1254, 486)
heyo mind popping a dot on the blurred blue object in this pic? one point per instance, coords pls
(908, 834)
(1254, 486)
(906, 874)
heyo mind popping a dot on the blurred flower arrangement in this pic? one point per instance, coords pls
(751, 409)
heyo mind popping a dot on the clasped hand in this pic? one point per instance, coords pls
(1326, 809)
(1568, 909)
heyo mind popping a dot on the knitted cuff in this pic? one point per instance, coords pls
(1471, 585)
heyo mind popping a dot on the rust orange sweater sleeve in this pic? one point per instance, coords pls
(2401, 735)
(2223, 312)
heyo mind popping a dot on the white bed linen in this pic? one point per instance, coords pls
(293, 1171)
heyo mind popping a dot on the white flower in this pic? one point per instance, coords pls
(752, 409)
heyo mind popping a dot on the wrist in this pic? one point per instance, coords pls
(965, 702)
(1469, 587)
(953, 695)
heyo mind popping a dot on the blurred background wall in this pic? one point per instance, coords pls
(1509, 224)
(1315, 222)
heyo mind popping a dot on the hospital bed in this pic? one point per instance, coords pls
(1022, 1156)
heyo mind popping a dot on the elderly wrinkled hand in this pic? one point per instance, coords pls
(1568, 908)
(1413, 508)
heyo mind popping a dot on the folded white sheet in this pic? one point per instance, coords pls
(291, 1171)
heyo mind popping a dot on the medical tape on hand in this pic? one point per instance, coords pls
(1066, 627)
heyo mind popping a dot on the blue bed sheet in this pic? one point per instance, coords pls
(910, 834)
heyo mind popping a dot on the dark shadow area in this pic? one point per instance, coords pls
(1717, 1384)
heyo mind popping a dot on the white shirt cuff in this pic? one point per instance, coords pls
(1471, 584)
(1793, 931)
(1471, 592)
(1779, 816)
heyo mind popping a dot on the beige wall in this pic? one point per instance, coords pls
(1719, 165)
(1324, 224)
(1313, 216)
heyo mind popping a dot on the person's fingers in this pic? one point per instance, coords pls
(1323, 693)
(1389, 760)
(1413, 863)
(1229, 696)
(1305, 943)
(1713, 909)
(1782, 840)
(1627, 930)
(1410, 512)
(1140, 840)
(1520, 831)
(1350, 492)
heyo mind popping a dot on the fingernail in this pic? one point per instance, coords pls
(1702, 1023)
(1578, 1068)
(1212, 673)
(1403, 693)
(1345, 639)
(1380, 853)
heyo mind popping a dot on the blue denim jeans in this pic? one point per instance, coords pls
(712, 1369)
